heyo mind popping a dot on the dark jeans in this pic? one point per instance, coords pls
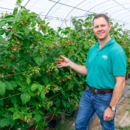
(91, 103)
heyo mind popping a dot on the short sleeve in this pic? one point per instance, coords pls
(119, 64)
(86, 65)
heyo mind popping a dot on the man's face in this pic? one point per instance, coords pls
(101, 28)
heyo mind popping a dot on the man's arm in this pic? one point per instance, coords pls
(117, 93)
(78, 68)
(118, 90)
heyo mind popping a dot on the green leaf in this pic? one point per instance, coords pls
(25, 98)
(67, 104)
(19, 36)
(43, 22)
(45, 79)
(16, 115)
(2, 23)
(2, 40)
(10, 33)
(15, 10)
(14, 100)
(15, 67)
(28, 79)
(40, 87)
(42, 95)
(1, 102)
(11, 109)
(24, 11)
(17, 17)
(26, 43)
(4, 122)
(38, 117)
(34, 87)
(33, 24)
(8, 86)
(2, 31)
(44, 30)
(2, 88)
(17, 77)
(64, 103)
(26, 31)
(13, 84)
(39, 60)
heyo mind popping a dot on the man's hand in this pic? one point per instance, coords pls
(64, 62)
(108, 114)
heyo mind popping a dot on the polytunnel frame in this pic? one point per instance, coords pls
(75, 7)
(78, 5)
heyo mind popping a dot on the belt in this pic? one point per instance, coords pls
(100, 91)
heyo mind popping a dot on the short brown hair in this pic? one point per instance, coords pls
(101, 15)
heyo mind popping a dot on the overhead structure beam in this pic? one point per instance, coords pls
(71, 11)
(97, 5)
(112, 7)
(121, 5)
(122, 14)
(51, 8)
(70, 6)
(5, 8)
(26, 3)
(115, 11)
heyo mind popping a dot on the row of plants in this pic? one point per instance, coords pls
(31, 83)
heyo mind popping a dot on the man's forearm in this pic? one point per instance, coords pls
(117, 93)
(78, 68)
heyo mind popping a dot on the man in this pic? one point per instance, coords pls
(105, 69)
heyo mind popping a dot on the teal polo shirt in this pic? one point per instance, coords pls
(102, 65)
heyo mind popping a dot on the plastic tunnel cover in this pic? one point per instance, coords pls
(60, 12)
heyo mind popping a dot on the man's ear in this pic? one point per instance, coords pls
(109, 26)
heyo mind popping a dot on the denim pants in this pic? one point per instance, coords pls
(89, 104)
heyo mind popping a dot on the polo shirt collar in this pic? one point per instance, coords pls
(107, 44)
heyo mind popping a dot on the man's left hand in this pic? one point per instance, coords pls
(108, 114)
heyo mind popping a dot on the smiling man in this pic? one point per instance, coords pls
(105, 69)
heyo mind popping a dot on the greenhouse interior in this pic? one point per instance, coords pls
(64, 65)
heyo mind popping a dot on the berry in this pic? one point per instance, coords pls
(60, 81)
(15, 37)
(35, 94)
(56, 55)
(65, 79)
(83, 83)
(18, 47)
(71, 75)
(43, 27)
(56, 74)
(49, 48)
(57, 90)
(54, 85)
(70, 42)
(82, 87)
(62, 60)
(49, 74)
(65, 42)
(57, 67)
(46, 109)
(58, 61)
(13, 47)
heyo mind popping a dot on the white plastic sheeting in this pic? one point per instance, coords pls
(60, 12)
